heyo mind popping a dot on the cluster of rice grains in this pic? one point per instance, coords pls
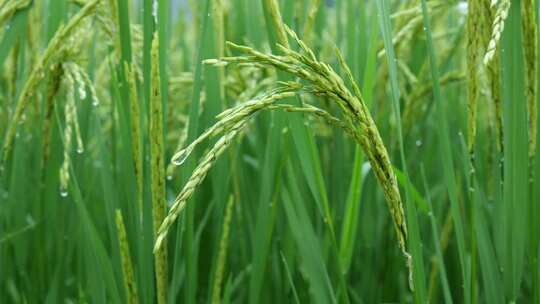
(64, 46)
(74, 80)
(321, 80)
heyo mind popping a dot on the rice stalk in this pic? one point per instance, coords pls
(127, 266)
(157, 171)
(503, 7)
(219, 30)
(136, 144)
(474, 42)
(222, 254)
(55, 46)
(113, 12)
(473, 55)
(33, 31)
(113, 25)
(272, 7)
(530, 50)
(310, 20)
(494, 77)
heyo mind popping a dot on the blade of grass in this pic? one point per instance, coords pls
(186, 227)
(307, 242)
(446, 152)
(90, 238)
(436, 242)
(417, 279)
(515, 153)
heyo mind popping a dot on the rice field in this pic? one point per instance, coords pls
(273, 151)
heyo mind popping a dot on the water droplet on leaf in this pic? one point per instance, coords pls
(180, 157)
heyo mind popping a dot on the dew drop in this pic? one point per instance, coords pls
(418, 143)
(63, 193)
(95, 101)
(180, 157)
(169, 177)
(80, 150)
(366, 166)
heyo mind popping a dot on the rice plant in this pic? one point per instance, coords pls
(239, 151)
